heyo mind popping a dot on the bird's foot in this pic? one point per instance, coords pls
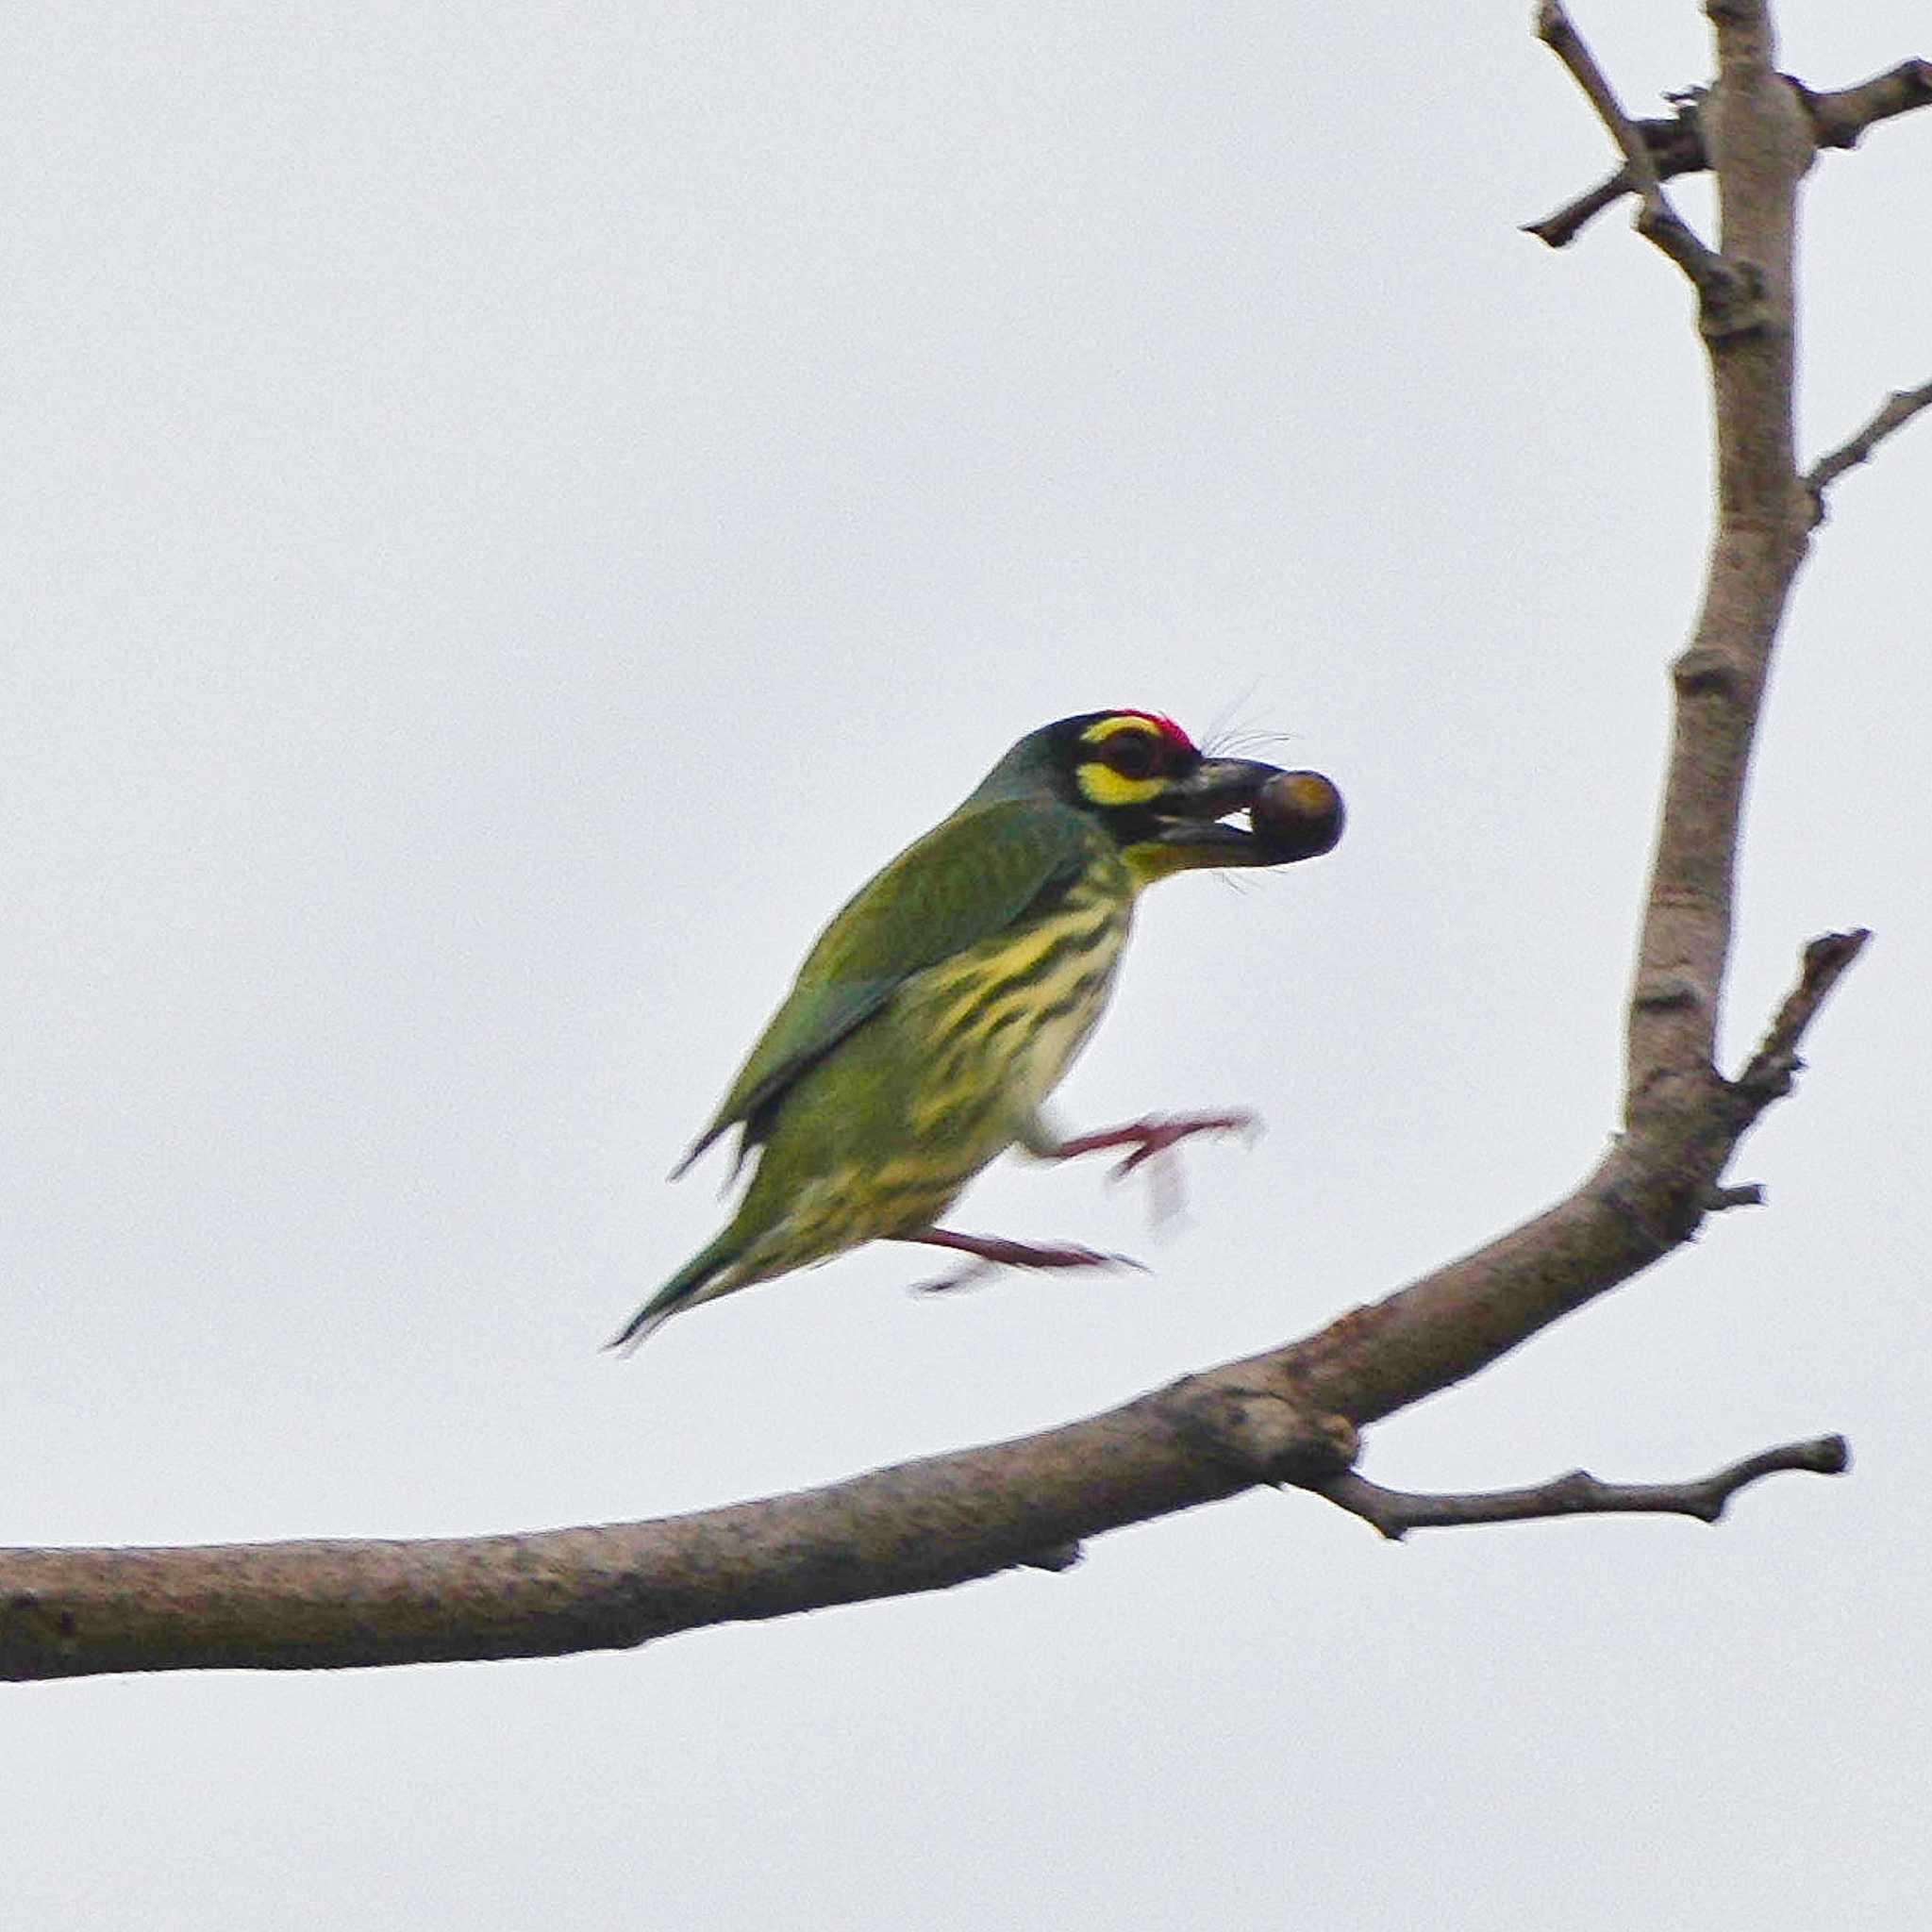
(1154, 1135)
(989, 1251)
(1158, 1135)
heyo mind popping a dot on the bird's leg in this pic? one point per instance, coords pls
(991, 1250)
(1147, 1138)
(1156, 1135)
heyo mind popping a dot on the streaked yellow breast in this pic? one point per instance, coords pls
(1007, 1017)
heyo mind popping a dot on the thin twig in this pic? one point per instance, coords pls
(1395, 1512)
(1721, 1200)
(1557, 32)
(1899, 410)
(1767, 1074)
(1717, 281)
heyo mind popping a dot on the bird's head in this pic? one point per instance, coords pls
(1142, 778)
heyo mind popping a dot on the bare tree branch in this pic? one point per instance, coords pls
(1899, 410)
(1676, 146)
(1395, 1512)
(1761, 146)
(1839, 118)
(1717, 281)
(1290, 1415)
(1770, 1070)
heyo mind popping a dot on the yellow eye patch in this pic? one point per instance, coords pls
(1104, 786)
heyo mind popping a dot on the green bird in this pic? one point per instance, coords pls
(944, 1002)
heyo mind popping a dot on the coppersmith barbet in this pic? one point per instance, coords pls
(944, 1002)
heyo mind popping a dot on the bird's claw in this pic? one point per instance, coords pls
(1144, 1138)
(1157, 1136)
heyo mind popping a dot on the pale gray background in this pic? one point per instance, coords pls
(511, 514)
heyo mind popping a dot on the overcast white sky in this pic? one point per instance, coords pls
(512, 513)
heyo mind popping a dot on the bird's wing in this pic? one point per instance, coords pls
(971, 876)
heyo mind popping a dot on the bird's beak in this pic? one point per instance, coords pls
(1191, 805)
(1215, 788)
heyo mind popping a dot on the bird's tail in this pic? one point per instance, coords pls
(690, 1284)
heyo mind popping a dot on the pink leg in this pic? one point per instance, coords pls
(991, 1250)
(1154, 1135)
(1158, 1134)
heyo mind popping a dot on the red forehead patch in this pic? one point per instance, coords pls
(1165, 724)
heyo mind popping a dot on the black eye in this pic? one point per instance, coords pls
(1133, 754)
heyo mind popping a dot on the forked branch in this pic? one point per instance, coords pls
(1717, 281)
(1675, 147)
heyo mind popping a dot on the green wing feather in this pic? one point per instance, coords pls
(971, 876)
